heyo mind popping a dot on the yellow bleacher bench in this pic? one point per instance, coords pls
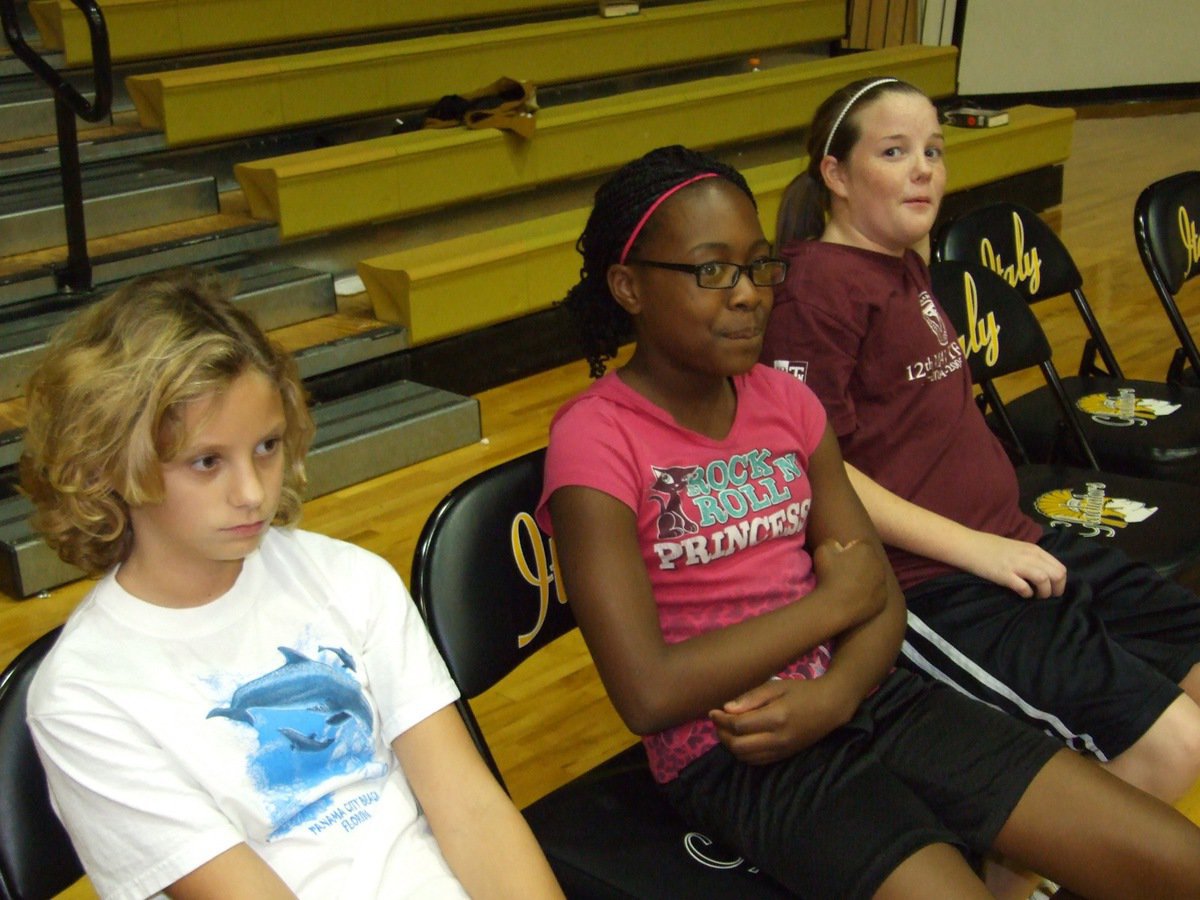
(141, 29)
(458, 285)
(233, 99)
(395, 176)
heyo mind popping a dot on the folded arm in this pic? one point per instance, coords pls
(653, 684)
(777, 718)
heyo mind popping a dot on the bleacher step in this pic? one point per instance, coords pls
(22, 344)
(27, 285)
(27, 105)
(386, 428)
(351, 350)
(278, 295)
(26, 109)
(117, 197)
(93, 148)
(27, 565)
(275, 295)
(358, 437)
(11, 67)
(10, 447)
(108, 268)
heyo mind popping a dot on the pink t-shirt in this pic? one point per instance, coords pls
(721, 523)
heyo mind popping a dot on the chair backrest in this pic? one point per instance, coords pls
(484, 578)
(1016, 244)
(1166, 228)
(1166, 225)
(999, 335)
(998, 332)
(36, 857)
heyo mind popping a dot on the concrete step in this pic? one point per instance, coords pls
(26, 109)
(352, 350)
(10, 447)
(117, 197)
(28, 287)
(94, 146)
(386, 428)
(275, 295)
(358, 437)
(278, 295)
(27, 104)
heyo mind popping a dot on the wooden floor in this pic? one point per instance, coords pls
(1112, 159)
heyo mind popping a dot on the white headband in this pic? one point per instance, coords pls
(845, 109)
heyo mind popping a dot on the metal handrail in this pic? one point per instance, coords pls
(69, 103)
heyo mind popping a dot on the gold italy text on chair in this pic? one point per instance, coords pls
(1135, 427)
(609, 833)
(1166, 227)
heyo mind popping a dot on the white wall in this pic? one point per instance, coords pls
(1012, 46)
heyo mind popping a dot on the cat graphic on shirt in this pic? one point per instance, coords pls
(670, 482)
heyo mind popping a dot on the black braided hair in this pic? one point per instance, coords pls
(619, 204)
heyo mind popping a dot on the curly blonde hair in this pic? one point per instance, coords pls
(105, 407)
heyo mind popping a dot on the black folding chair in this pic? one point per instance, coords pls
(37, 860)
(1152, 521)
(1135, 427)
(609, 833)
(1166, 219)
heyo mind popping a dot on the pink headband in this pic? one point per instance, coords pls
(637, 229)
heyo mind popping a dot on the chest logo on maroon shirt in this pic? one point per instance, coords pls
(941, 363)
(796, 367)
(932, 319)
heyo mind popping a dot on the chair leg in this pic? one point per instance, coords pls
(1176, 373)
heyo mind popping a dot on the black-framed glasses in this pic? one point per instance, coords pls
(765, 272)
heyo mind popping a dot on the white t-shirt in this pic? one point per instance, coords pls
(265, 716)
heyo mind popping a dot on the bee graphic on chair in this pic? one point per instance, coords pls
(1125, 409)
(1092, 511)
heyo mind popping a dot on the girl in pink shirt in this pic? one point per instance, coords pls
(740, 609)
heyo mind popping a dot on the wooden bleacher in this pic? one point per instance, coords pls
(398, 175)
(241, 98)
(161, 28)
(470, 282)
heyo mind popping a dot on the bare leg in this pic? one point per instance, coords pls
(1165, 761)
(1101, 837)
(1191, 683)
(937, 870)
(1006, 880)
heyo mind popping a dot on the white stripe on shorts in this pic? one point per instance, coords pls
(973, 671)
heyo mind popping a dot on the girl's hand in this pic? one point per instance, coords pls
(857, 573)
(1020, 566)
(779, 718)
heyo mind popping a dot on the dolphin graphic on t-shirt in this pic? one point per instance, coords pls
(299, 683)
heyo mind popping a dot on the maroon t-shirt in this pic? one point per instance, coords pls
(865, 332)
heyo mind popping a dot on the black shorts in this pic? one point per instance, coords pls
(1094, 668)
(917, 765)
